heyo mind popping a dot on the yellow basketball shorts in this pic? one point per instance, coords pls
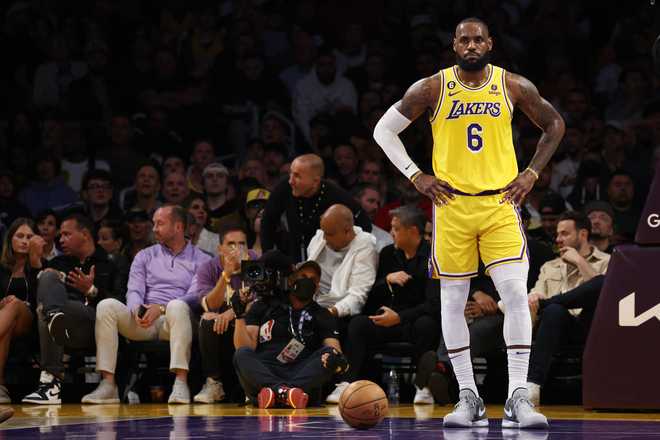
(469, 227)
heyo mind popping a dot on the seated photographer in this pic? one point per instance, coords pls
(213, 285)
(155, 308)
(404, 305)
(286, 344)
(348, 259)
(67, 292)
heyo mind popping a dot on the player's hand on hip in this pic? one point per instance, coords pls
(435, 189)
(516, 191)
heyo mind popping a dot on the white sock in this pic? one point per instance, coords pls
(511, 283)
(453, 296)
(518, 365)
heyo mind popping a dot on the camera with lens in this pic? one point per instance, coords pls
(263, 279)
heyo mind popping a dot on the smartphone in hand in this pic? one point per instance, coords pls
(141, 311)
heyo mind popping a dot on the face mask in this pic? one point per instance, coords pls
(303, 289)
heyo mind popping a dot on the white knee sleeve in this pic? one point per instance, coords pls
(511, 283)
(453, 296)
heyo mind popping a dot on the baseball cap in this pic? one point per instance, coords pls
(256, 195)
(599, 205)
(309, 263)
(215, 166)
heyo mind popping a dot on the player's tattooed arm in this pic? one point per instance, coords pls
(420, 97)
(525, 95)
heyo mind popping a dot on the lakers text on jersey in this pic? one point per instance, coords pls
(472, 143)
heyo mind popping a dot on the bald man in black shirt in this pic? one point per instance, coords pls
(304, 197)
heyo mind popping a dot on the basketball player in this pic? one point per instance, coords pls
(476, 192)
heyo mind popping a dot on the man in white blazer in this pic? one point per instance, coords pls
(348, 258)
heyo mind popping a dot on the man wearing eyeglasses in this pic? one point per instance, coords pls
(96, 193)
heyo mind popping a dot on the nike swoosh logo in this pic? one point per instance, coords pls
(409, 165)
(482, 411)
(508, 413)
(452, 94)
(52, 394)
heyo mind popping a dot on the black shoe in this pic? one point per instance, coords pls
(48, 392)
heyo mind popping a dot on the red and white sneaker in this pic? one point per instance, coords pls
(292, 397)
(266, 398)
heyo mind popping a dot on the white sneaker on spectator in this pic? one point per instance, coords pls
(180, 392)
(211, 392)
(334, 396)
(423, 396)
(534, 393)
(4, 395)
(48, 391)
(106, 392)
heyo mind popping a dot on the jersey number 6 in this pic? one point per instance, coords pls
(474, 140)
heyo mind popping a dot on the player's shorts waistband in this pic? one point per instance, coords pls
(488, 192)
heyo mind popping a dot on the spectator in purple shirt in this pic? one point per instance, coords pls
(156, 306)
(213, 286)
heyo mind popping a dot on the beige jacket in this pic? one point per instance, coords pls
(557, 276)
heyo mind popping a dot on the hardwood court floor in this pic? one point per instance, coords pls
(156, 421)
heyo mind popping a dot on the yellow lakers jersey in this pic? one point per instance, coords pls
(472, 142)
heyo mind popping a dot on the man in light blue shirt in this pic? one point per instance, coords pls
(156, 307)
